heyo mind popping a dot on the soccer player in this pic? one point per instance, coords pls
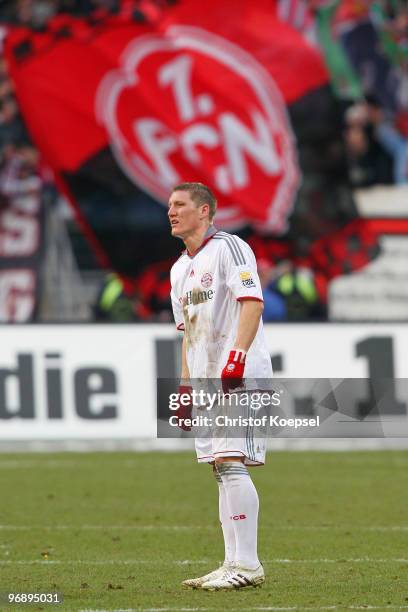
(217, 302)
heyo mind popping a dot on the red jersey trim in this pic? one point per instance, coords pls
(248, 297)
(180, 327)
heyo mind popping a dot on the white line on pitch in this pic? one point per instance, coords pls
(159, 526)
(340, 527)
(10, 464)
(189, 561)
(255, 608)
(106, 527)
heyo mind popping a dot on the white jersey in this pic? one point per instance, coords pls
(206, 290)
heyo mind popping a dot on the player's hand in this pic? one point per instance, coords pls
(233, 373)
(185, 409)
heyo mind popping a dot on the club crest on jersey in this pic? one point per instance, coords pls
(206, 280)
(246, 279)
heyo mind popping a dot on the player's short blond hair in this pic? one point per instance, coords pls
(200, 194)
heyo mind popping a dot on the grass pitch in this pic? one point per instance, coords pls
(120, 531)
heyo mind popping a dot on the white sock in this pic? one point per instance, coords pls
(225, 520)
(243, 504)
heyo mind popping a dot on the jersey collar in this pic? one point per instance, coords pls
(207, 237)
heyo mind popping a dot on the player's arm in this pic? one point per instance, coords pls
(185, 374)
(185, 409)
(249, 318)
(243, 281)
(248, 323)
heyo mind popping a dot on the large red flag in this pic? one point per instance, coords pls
(221, 93)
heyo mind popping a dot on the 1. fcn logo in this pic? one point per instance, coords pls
(190, 103)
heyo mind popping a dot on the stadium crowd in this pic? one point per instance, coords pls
(365, 46)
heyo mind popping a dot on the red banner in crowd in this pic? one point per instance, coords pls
(217, 92)
(21, 241)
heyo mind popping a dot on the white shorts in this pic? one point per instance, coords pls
(252, 449)
(244, 441)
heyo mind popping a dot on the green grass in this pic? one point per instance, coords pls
(121, 530)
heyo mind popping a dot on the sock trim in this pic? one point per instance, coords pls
(225, 468)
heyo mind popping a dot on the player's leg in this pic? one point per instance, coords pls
(243, 505)
(225, 520)
(204, 455)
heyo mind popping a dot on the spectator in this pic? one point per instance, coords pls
(274, 304)
(113, 305)
(357, 29)
(289, 293)
(369, 162)
(393, 136)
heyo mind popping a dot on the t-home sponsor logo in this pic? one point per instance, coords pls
(42, 385)
(198, 296)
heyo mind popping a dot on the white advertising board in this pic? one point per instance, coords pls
(98, 382)
(76, 382)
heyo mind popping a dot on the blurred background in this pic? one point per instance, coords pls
(352, 148)
(312, 172)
